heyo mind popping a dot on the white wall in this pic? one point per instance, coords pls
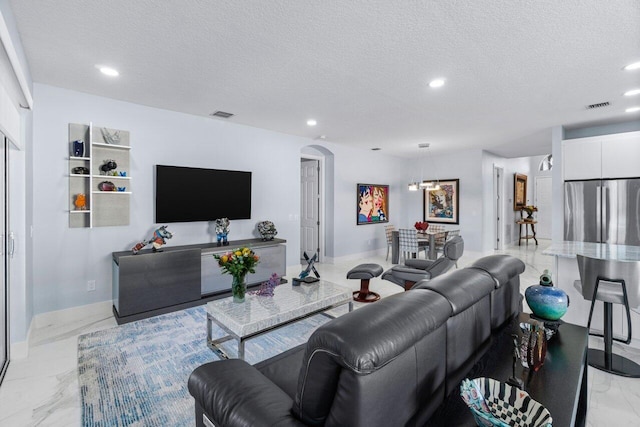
(64, 259)
(467, 166)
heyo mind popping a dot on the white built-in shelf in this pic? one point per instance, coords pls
(111, 177)
(111, 192)
(102, 211)
(118, 147)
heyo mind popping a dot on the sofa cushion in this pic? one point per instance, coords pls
(501, 267)
(506, 300)
(462, 288)
(363, 342)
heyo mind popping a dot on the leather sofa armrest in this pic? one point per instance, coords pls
(234, 393)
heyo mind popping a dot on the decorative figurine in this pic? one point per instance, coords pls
(110, 138)
(159, 238)
(267, 230)
(108, 165)
(267, 288)
(81, 202)
(222, 229)
(80, 170)
(78, 148)
(304, 274)
(107, 186)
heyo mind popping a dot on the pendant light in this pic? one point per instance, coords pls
(424, 185)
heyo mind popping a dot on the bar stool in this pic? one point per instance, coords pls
(612, 282)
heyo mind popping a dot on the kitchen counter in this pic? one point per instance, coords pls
(566, 274)
(567, 249)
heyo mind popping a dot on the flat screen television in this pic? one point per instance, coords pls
(194, 194)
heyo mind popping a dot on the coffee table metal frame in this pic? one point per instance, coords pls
(214, 344)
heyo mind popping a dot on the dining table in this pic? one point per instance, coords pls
(424, 237)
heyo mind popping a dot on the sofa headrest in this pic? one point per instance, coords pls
(502, 267)
(462, 288)
(363, 341)
(370, 337)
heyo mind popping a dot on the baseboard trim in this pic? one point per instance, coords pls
(20, 349)
(100, 309)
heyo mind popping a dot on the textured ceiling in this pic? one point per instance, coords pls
(513, 69)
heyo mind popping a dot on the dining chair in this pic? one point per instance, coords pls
(388, 230)
(408, 243)
(440, 238)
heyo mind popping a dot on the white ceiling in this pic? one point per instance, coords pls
(513, 69)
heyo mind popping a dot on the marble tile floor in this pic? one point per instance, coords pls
(42, 389)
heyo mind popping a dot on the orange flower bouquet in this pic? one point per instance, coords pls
(238, 263)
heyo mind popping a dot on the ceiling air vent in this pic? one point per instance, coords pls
(598, 105)
(221, 114)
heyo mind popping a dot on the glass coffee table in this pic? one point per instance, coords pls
(261, 314)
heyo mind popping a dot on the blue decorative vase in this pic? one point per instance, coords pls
(546, 301)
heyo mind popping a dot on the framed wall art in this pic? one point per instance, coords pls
(519, 191)
(443, 205)
(372, 204)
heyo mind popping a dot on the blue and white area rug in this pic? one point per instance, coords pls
(136, 374)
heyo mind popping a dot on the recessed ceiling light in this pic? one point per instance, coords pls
(634, 66)
(108, 71)
(632, 92)
(632, 109)
(436, 83)
(311, 122)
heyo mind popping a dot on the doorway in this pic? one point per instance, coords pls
(4, 258)
(543, 203)
(498, 173)
(310, 207)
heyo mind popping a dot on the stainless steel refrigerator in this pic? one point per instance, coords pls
(602, 211)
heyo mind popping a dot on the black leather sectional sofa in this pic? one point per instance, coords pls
(391, 363)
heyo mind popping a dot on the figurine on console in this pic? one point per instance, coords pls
(267, 230)
(159, 238)
(222, 230)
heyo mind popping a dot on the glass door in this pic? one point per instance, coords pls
(4, 293)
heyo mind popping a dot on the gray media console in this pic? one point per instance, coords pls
(152, 283)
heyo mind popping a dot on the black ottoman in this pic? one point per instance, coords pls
(365, 272)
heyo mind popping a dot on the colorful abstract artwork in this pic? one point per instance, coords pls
(372, 205)
(441, 205)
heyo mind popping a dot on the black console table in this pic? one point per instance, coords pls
(560, 384)
(151, 283)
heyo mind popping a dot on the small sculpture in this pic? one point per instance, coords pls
(529, 209)
(110, 138)
(80, 170)
(267, 288)
(222, 229)
(108, 165)
(80, 202)
(304, 274)
(78, 148)
(159, 238)
(267, 230)
(107, 186)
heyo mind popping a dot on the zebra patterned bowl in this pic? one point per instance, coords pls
(489, 401)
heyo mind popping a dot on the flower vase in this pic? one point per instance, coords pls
(238, 288)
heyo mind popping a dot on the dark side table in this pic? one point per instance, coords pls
(560, 384)
(527, 236)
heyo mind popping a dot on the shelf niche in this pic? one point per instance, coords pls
(101, 209)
